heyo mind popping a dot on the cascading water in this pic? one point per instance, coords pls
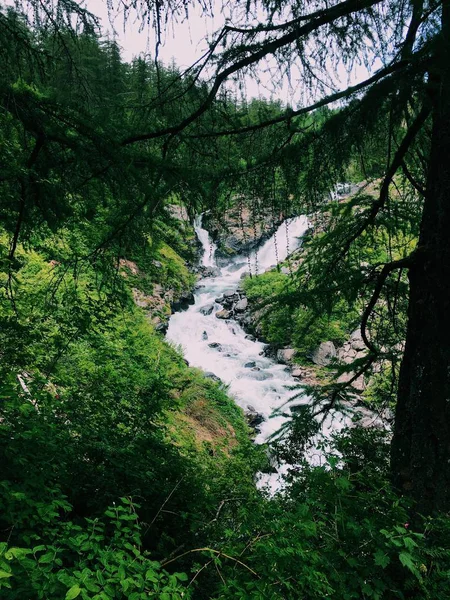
(221, 347)
(209, 248)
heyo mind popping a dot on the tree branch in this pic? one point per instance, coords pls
(288, 115)
(328, 16)
(383, 275)
(384, 191)
(411, 179)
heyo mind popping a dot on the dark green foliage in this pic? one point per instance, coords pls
(125, 474)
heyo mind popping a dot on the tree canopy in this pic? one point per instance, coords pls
(95, 153)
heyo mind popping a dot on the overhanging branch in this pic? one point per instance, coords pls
(327, 16)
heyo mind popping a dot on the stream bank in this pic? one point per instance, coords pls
(212, 340)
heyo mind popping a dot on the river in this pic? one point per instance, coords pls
(265, 386)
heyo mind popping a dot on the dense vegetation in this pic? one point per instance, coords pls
(127, 474)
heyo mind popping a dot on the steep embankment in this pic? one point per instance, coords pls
(108, 411)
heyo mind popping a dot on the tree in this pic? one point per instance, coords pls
(416, 81)
(412, 87)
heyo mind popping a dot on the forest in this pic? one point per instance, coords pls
(225, 369)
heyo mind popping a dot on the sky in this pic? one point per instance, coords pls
(186, 40)
(182, 42)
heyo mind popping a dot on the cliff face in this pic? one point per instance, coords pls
(240, 229)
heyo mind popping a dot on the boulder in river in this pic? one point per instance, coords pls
(204, 336)
(286, 355)
(215, 345)
(254, 419)
(241, 305)
(183, 302)
(297, 372)
(250, 364)
(223, 314)
(210, 375)
(324, 354)
(207, 310)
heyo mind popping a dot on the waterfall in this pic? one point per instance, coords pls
(209, 247)
(221, 347)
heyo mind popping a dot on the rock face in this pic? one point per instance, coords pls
(286, 355)
(324, 354)
(236, 231)
(353, 349)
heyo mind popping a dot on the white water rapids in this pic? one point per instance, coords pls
(263, 390)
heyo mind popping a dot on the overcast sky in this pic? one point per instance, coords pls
(185, 41)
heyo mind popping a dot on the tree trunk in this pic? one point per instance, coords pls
(421, 444)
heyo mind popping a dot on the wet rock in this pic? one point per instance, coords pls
(324, 354)
(269, 352)
(207, 310)
(254, 419)
(250, 364)
(250, 337)
(223, 314)
(245, 275)
(228, 295)
(210, 271)
(183, 302)
(241, 305)
(204, 336)
(256, 368)
(215, 345)
(162, 327)
(286, 355)
(297, 372)
(212, 376)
